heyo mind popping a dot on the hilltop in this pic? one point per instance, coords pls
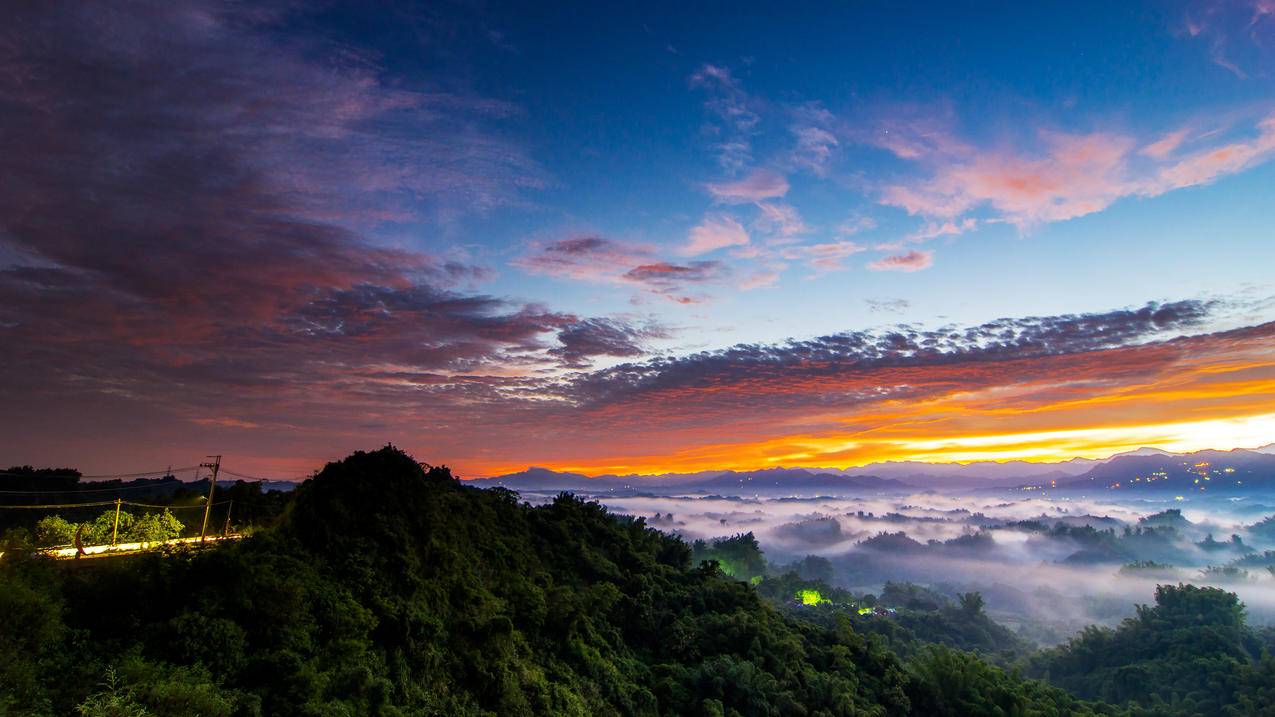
(390, 588)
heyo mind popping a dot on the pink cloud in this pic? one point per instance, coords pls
(855, 225)
(584, 258)
(716, 231)
(824, 257)
(781, 219)
(934, 230)
(672, 280)
(759, 280)
(1068, 176)
(814, 149)
(1237, 33)
(759, 185)
(1165, 146)
(1207, 165)
(911, 261)
(598, 260)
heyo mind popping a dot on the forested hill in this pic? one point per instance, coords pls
(389, 589)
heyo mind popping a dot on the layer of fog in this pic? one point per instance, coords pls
(1048, 574)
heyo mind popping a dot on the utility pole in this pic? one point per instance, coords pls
(115, 530)
(226, 531)
(215, 465)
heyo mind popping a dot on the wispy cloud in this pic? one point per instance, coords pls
(780, 219)
(761, 279)
(914, 260)
(824, 257)
(816, 143)
(599, 260)
(759, 185)
(734, 120)
(1068, 175)
(1238, 33)
(716, 231)
(674, 281)
(584, 258)
(887, 306)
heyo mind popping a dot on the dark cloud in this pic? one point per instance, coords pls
(192, 195)
(579, 245)
(589, 338)
(845, 367)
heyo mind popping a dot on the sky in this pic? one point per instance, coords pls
(635, 239)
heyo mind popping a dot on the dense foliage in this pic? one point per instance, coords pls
(1190, 653)
(390, 589)
(124, 527)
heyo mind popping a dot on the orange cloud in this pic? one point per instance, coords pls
(1206, 391)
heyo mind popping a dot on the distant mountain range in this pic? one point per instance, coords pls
(1234, 471)
(1145, 469)
(735, 483)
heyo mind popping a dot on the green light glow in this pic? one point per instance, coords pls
(810, 597)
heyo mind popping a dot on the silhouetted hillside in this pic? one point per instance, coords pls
(1236, 471)
(391, 589)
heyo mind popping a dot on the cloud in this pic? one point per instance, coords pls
(735, 120)
(855, 354)
(584, 258)
(891, 306)
(856, 225)
(1237, 33)
(716, 231)
(934, 230)
(908, 261)
(187, 232)
(759, 280)
(780, 219)
(824, 257)
(815, 148)
(672, 280)
(589, 338)
(1165, 145)
(760, 184)
(1206, 165)
(1013, 387)
(600, 260)
(814, 131)
(1068, 175)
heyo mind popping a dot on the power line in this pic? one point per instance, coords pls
(150, 486)
(102, 476)
(143, 486)
(59, 505)
(98, 504)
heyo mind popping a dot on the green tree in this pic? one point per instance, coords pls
(53, 531)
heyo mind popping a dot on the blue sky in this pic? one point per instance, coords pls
(613, 107)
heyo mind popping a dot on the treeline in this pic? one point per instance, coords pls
(387, 588)
(169, 508)
(1190, 653)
